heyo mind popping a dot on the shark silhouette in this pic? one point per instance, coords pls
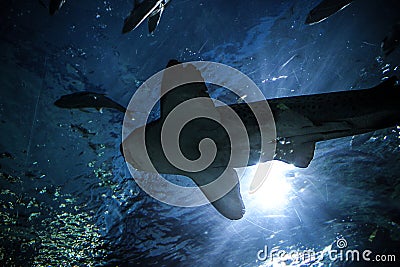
(147, 9)
(300, 122)
(55, 5)
(326, 9)
(81, 100)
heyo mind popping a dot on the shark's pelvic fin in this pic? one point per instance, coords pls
(300, 155)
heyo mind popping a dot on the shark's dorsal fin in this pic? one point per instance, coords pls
(300, 154)
(178, 73)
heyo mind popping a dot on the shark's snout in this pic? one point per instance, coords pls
(58, 103)
(128, 157)
(64, 102)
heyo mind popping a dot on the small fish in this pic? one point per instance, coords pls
(7, 155)
(148, 9)
(95, 147)
(30, 174)
(81, 100)
(373, 235)
(325, 9)
(85, 132)
(392, 41)
(10, 178)
(55, 5)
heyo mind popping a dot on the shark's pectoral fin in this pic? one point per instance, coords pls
(300, 155)
(192, 86)
(154, 19)
(85, 110)
(183, 87)
(229, 204)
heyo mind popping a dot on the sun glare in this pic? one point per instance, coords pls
(274, 192)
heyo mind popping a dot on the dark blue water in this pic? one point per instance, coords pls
(67, 197)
